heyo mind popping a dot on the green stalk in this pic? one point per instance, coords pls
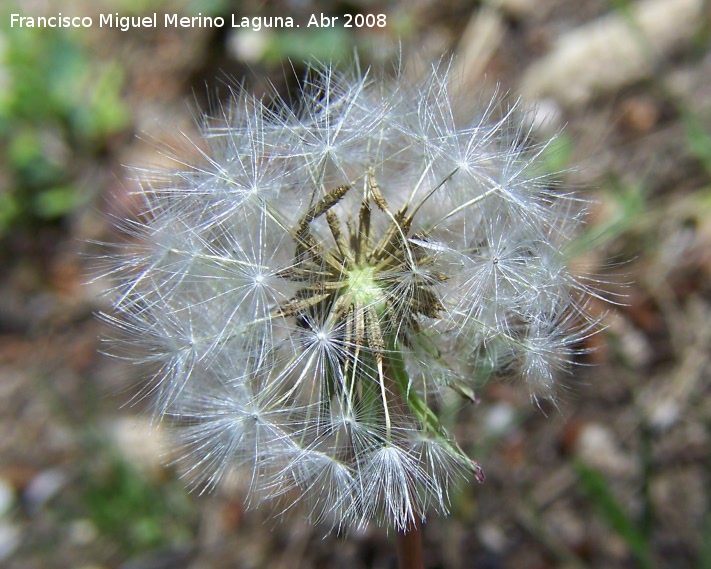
(398, 373)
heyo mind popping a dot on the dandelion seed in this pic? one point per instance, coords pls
(307, 292)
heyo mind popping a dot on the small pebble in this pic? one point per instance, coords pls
(43, 487)
(9, 540)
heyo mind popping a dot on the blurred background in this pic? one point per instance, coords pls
(618, 476)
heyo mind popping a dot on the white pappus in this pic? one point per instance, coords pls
(308, 289)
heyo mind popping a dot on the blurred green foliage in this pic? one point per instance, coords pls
(322, 44)
(628, 208)
(558, 154)
(698, 138)
(58, 105)
(187, 7)
(597, 489)
(136, 513)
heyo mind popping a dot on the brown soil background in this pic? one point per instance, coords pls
(617, 477)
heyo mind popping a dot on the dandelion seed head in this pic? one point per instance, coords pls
(306, 292)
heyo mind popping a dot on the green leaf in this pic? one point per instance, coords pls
(597, 489)
(698, 139)
(705, 554)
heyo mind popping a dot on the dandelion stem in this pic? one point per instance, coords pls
(409, 547)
